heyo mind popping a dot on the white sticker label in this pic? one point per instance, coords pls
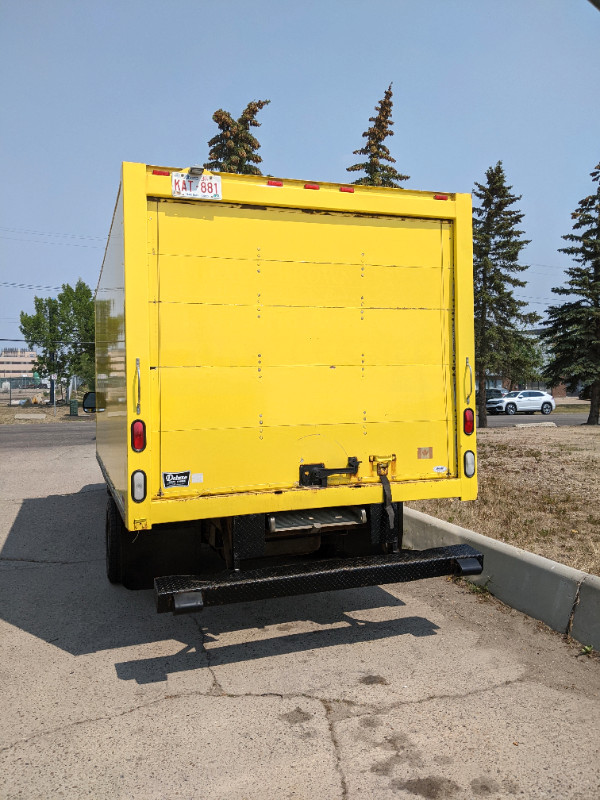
(197, 477)
(199, 187)
(440, 469)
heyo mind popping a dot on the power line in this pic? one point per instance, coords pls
(547, 266)
(64, 244)
(51, 341)
(27, 286)
(46, 233)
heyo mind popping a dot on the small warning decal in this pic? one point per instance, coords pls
(424, 452)
(173, 479)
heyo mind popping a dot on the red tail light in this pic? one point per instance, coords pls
(469, 421)
(274, 183)
(311, 186)
(138, 435)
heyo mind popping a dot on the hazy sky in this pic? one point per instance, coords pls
(87, 84)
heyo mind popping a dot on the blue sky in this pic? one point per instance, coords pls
(88, 84)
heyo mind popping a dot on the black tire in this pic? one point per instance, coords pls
(546, 408)
(511, 409)
(114, 542)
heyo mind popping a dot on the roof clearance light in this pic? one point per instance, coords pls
(160, 172)
(138, 486)
(274, 183)
(138, 435)
(469, 462)
(311, 186)
(347, 189)
(440, 196)
(469, 421)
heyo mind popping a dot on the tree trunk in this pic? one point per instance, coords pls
(481, 412)
(594, 404)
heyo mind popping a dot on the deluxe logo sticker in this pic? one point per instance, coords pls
(173, 479)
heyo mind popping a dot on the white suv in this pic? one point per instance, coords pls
(525, 402)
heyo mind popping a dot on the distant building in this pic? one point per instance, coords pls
(17, 362)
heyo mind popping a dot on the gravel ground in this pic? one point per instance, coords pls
(539, 490)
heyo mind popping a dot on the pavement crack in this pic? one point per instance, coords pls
(336, 747)
(574, 607)
(103, 718)
(450, 696)
(216, 689)
(9, 560)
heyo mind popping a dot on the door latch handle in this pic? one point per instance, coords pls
(139, 386)
(470, 392)
(317, 474)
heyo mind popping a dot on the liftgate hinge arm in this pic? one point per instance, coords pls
(382, 463)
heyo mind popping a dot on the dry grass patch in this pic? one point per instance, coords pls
(539, 489)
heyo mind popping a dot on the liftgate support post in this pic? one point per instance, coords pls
(248, 537)
(381, 533)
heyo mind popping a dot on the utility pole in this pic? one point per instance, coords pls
(52, 387)
(53, 364)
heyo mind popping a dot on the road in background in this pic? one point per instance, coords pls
(33, 434)
(407, 691)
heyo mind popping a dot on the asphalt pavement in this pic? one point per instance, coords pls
(418, 690)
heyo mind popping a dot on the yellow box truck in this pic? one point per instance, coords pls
(280, 365)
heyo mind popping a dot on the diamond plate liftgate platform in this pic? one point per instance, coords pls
(183, 594)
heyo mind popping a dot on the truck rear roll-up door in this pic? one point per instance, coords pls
(286, 338)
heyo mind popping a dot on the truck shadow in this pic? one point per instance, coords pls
(339, 605)
(54, 587)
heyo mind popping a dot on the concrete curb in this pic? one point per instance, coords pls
(536, 425)
(566, 599)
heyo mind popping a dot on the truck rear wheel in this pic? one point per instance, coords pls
(114, 542)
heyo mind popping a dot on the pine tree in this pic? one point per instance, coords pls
(497, 244)
(523, 359)
(573, 333)
(378, 173)
(234, 148)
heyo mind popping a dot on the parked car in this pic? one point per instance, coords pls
(524, 402)
(491, 394)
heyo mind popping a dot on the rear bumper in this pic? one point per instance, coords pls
(188, 593)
